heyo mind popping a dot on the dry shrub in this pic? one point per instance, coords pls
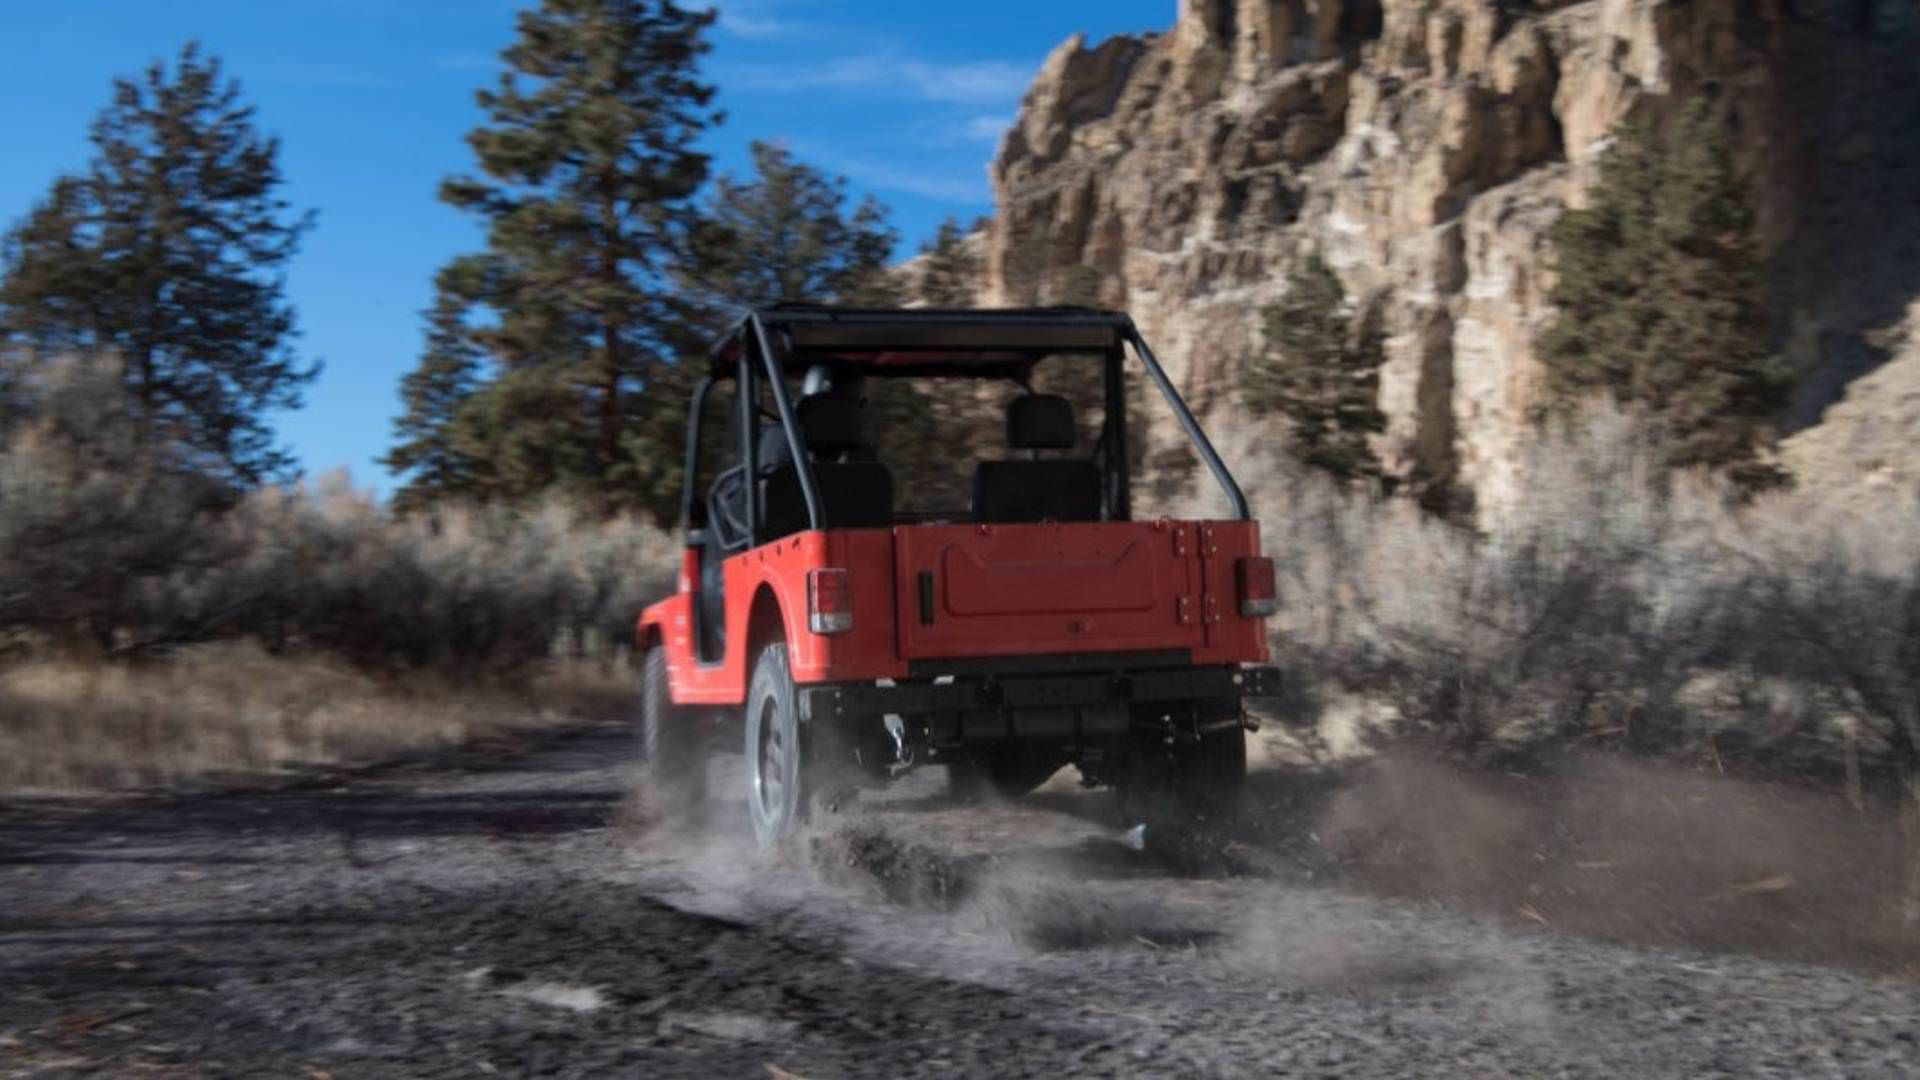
(85, 517)
(160, 625)
(224, 710)
(474, 591)
(111, 546)
(1613, 604)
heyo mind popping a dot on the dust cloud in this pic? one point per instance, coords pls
(1630, 851)
(1597, 847)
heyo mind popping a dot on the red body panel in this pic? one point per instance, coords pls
(997, 591)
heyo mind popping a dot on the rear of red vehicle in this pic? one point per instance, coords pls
(1035, 627)
(1009, 650)
(1017, 648)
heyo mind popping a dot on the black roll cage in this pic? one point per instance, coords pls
(1010, 342)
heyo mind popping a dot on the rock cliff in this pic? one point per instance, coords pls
(1423, 147)
(1867, 445)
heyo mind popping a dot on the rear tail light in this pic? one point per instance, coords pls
(829, 604)
(1257, 598)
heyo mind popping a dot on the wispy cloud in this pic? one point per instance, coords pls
(979, 83)
(757, 19)
(954, 131)
(976, 82)
(962, 187)
(955, 188)
(758, 26)
(986, 128)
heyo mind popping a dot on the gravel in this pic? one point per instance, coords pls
(472, 917)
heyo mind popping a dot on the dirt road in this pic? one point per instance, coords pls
(485, 914)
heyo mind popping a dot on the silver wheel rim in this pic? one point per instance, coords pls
(770, 773)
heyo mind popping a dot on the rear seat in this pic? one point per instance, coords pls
(856, 492)
(1059, 489)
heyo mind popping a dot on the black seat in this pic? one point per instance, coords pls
(1060, 489)
(856, 492)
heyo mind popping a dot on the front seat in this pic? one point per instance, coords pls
(856, 492)
(1058, 489)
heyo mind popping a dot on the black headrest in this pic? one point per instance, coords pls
(1040, 422)
(832, 423)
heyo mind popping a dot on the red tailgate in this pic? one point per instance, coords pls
(1001, 590)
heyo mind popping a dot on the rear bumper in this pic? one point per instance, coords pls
(1011, 694)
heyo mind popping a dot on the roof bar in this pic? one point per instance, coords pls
(1199, 438)
(790, 424)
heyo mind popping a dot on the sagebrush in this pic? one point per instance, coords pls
(106, 550)
(1615, 602)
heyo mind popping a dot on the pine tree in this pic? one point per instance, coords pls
(588, 176)
(169, 251)
(530, 432)
(1320, 374)
(1659, 297)
(949, 270)
(787, 235)
(433, 394)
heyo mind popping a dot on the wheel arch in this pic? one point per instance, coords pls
(649, 630)
(646, 637)
(766, 622)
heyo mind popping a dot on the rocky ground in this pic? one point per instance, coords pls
(502, 913)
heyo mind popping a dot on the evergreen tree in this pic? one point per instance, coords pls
(433, 395)
(949, 271)
(786, 235)
(588, 176)
(1659, 295)
(1320, 374)
(168, 251)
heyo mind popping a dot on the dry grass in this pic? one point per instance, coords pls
(230, 711)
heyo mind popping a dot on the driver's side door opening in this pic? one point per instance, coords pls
(713, 446)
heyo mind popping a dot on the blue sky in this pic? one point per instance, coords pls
(373, 97)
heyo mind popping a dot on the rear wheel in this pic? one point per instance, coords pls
(672, 771)
(775, 801)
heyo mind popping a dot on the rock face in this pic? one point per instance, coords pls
(1867, 447)
(1424, 147)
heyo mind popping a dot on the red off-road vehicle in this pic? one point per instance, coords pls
(997, 609)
